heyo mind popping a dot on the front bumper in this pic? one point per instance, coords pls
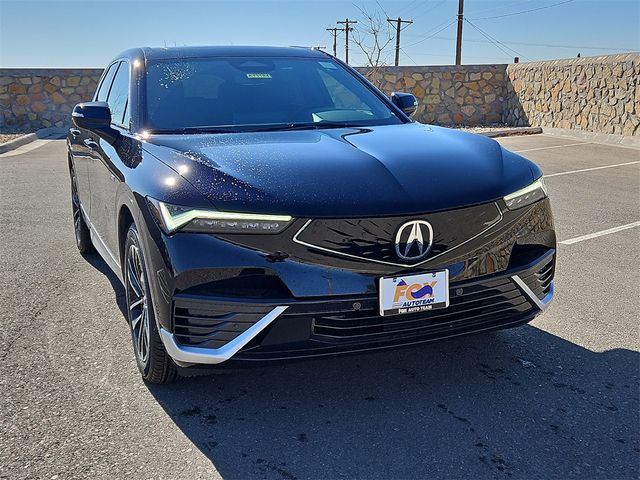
(320, 327)
(270, 297)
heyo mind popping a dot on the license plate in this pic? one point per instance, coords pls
(414, 293)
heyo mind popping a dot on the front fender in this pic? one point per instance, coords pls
(149, 177)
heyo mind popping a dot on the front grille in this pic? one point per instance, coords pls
(373, 239)
(212, 324)
(472, 305)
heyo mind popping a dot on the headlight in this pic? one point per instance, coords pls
(526, 196)
(173, 218)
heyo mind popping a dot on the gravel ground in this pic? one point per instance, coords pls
(486, 128)
(6, 137)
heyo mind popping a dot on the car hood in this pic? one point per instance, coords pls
(346, 172)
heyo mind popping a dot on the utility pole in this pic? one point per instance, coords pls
(459, 36)
(347, 29)
(398, 23)
(335, 31)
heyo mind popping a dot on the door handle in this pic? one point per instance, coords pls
(74, 131)
(91, 144)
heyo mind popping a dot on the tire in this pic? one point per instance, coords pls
(80, 227)
(154, 363)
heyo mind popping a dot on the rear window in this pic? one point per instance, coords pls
(119, 94)
(105, 85)
(248, 91)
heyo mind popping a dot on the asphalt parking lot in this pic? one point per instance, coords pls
(554, 399)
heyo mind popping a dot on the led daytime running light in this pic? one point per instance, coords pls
(534, 186)
(175, 221)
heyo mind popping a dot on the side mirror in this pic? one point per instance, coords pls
(405, 102)
(95, 117)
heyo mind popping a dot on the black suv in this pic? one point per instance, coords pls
(264, 203)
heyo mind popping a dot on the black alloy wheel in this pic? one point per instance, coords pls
(80, 227)
(152, 359)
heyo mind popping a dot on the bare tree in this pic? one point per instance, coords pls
(372, 36)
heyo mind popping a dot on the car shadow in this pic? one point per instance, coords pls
(99, 264)
(521, 403)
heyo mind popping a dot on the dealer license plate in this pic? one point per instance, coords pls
(414, 293)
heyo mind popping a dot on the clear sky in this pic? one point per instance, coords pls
(87, 33)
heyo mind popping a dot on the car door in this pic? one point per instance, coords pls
(80, 141)
(106, 167)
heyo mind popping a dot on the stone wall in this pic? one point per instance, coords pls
(597, 94)
(449, 95)
(37, 98)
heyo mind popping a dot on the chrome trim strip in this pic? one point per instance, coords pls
(102, 248)
(541, 304)
(310, 245)
(186, 354)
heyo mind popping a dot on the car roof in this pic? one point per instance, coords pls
(160, 53)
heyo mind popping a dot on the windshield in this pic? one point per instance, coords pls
(244, 94)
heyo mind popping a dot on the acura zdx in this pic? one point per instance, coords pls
(263, 203)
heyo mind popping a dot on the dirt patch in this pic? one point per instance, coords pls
(6, 137)
(495, 131)
(484, 129)
(11, 133)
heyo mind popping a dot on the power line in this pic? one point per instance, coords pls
(572, 46)
(496, 44)
(495, 41)
(433, 7)
(408, 7)
(426, 36)
(427, 54)
(399, 28)
(510, 42)
(525, 11)
(408, 56)
(500, 7)
(381, 8)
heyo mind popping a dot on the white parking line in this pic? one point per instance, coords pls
(554, 146)
(609, 231)
(25, 148)
(590, 169)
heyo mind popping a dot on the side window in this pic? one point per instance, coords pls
(119, 95)
(103, 89)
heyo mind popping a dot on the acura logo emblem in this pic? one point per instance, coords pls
(414, 240)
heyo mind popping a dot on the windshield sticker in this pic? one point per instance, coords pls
(258, 75)
(328, 65)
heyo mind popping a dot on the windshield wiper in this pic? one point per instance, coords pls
(270, 128)
(194, 130)
(302, 126)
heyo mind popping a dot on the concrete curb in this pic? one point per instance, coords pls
(31, 137)
(595, 137)
(513, 131)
